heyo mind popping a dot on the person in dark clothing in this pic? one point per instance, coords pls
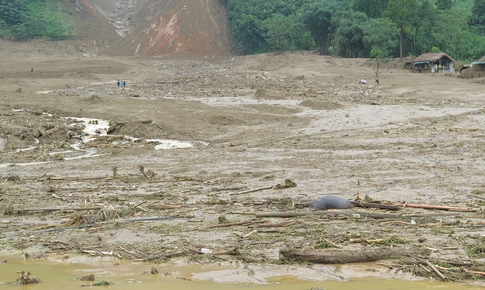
(118, 83)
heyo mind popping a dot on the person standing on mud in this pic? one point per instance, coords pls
(118, 83)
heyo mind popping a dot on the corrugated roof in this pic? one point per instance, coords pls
(433, 57)
(480, 61)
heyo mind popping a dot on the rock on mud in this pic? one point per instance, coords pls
(331, 202)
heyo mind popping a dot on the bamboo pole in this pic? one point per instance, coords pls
(440, 207)
(252, 190)
(436, 270)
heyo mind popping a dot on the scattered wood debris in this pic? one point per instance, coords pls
(26, 278)
(89, 277)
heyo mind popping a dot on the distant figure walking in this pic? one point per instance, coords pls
(362, 81)
(377, 81)
(118, 83)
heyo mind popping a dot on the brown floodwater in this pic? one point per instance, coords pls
(126, 275)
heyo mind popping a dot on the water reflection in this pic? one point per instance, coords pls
(126, 275)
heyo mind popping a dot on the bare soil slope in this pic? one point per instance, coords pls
(152, 27)
(181, 27)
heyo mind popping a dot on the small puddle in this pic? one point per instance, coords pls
(126, 275)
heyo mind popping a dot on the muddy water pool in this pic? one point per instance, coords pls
(125, 275)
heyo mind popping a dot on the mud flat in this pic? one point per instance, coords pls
(267, 134)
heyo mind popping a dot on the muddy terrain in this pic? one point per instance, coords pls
(193, 158)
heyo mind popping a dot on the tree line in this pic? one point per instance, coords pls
(360, 28)
(26, 19)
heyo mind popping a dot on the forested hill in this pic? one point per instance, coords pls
(360, 28)
(22, 19)
(54, 20)
(348, 28)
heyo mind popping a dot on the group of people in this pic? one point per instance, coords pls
(364, 81)
(121, 84)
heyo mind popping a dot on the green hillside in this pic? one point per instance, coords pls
(26, 19)
(360, 28)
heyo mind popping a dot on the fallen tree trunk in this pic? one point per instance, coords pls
(375, 205)
(334, 256)
(357, 214)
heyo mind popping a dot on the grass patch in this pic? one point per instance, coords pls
(475, 251)
(443, 230)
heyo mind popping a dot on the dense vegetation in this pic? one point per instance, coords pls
(360, 28)
(25, 19)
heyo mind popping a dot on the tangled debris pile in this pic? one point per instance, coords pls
(35, 136)
(26, 278)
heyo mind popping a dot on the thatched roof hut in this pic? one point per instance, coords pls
(433, 62)
(433, 57)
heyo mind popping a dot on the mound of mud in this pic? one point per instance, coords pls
(274, 109)
(321, 105)
(225, 120)
(140, 130)
(22, 129)
(267, 94)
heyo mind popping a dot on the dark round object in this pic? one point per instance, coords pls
(331, 202)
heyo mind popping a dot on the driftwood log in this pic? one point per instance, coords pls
(438, 207)
(337, 256)
(329, 212)
(375, 205)
(39, 210)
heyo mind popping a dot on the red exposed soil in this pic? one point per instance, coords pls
(154, 27)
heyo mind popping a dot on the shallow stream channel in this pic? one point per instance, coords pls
(125, 275)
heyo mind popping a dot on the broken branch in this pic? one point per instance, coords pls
(230, 224)
(440, 207)
(326, 241)
(253, 190)
(436, 270)
(285, 224)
